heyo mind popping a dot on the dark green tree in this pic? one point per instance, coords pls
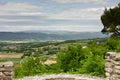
(111, 21)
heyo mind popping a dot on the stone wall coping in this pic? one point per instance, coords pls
(6, 64)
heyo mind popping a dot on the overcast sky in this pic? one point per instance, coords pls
(65, 15)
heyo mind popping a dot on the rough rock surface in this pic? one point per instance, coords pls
(62, 77)
(6, 70)
(112, 66)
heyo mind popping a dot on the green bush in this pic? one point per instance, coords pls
(71, 58)
(19, 72)
(33, 66)
(30, 66)
(53, 68)
(88, 60)
(113, 45)
(95, 62)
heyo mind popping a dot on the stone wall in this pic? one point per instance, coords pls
(112, 66)
(6, 71)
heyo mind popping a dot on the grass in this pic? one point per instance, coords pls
(14, 60)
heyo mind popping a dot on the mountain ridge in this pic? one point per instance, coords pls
(50, 35)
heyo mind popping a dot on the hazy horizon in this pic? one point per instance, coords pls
(53, 15)
(52, 31)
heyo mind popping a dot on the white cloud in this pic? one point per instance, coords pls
(17, 8)
(87, 13)
(26, 16)
(32, 13)
(82, 1)
(17, 12)
(15, 28)
(12, 20)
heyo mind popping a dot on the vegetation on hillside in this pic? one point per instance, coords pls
(72, 56)
(74, 59)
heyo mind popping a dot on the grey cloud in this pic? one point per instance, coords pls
(72, 22)
(48, 22)
(82, 1)
(26, 17)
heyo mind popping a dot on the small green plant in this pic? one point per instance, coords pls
(30, 66)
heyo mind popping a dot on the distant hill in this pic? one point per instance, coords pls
(49, 35)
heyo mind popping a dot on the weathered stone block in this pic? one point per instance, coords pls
(6, 64)
(112, 66)
(107, 74)
(108, 60)
(117, 57)
(113, 77)
(109, 70)
(117, 71)
(111, 55)
(109, 65)
(1, 74)
(6, 71)
(115, 62)
(117, 67)
(8, 78)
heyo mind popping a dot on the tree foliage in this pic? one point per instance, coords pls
(111, 21)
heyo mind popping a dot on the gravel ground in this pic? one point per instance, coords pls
(63, 76)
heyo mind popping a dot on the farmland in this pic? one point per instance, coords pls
(17, 50)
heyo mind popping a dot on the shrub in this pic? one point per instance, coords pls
(93, 65)
(30, 66)
(71, 58)
(88, 60)
(53, 68)
(113, 45)
(18, 72)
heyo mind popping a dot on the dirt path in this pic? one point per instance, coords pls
(62, 77)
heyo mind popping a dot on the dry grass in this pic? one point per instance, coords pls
(10, 56)
(49, 62)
